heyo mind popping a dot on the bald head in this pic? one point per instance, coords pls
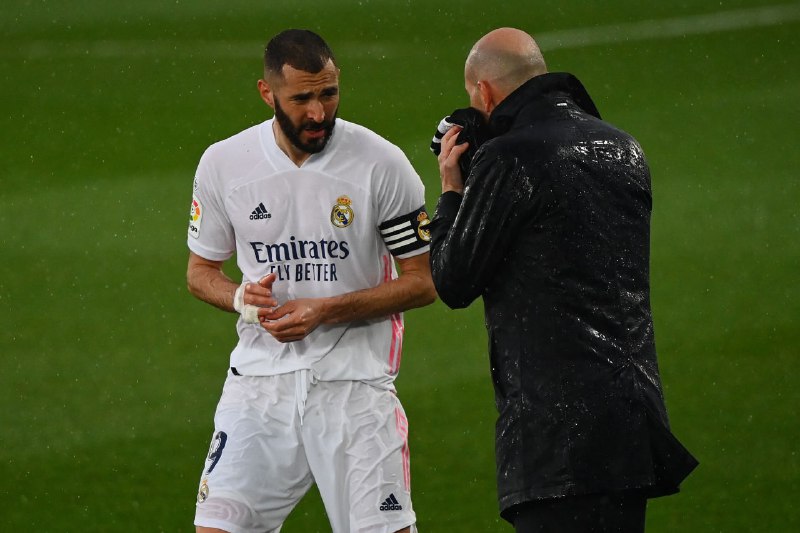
(505, 57)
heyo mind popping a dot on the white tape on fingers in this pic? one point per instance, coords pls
(250, 314)
(238, 298)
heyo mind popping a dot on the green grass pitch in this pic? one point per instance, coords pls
(110, 370)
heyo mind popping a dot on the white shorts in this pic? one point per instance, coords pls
(274, 436)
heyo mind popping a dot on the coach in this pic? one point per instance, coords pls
(551, 226)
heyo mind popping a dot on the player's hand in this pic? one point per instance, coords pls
(292, 321)
(249, 297)
(449, 169)
(260, 293)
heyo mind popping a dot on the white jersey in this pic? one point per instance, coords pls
(328, 227)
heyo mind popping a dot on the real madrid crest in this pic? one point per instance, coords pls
(202, 494)
(342, 214)
(422, 226)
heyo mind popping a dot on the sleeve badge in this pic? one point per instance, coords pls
(195, 217)
(422, 226)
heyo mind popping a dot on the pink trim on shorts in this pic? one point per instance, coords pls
(402, 430)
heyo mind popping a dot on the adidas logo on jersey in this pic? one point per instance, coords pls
(260, 212)
(391, 504)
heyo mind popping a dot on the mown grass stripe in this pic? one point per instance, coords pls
(571, 38)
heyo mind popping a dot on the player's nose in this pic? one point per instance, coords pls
(315, 111)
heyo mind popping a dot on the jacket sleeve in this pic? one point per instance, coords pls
(470, 235)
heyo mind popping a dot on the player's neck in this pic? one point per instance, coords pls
(297, 156)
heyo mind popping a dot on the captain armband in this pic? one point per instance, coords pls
(406, 233)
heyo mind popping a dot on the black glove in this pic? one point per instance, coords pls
(474, 131)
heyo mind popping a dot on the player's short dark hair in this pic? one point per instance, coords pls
(301, 49)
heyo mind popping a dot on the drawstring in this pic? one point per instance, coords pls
(303, 379)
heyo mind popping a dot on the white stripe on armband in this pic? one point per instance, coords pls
(400, 244)
(398, 227)
(396, 236)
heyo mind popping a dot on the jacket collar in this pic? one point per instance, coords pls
(531, 98)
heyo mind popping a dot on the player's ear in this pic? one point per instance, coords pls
(486, 92)
(266, 93)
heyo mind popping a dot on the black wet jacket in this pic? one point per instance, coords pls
(553, 231)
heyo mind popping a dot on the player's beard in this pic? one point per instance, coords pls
(293, 132)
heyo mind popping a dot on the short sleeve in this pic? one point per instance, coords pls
(210, 232)
(403, 219)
